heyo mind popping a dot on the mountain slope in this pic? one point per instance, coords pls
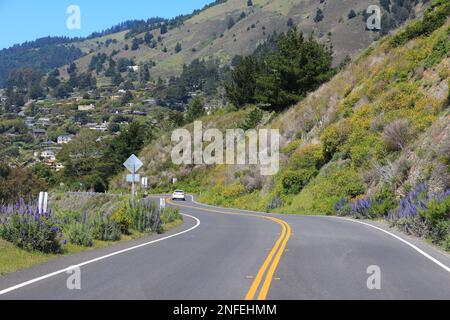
(234, 28)
(221, 30)
(381, 124)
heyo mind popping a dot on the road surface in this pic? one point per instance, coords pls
(233, 254)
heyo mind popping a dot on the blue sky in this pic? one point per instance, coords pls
(27, 20)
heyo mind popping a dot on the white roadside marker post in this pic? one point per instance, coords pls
(43, 202)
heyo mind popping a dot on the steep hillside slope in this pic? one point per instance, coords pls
(235, 28)
(380, 127)
(220, 30)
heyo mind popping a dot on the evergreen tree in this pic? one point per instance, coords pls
(231, 23)
(148, 38)
(290, 23)
(241, 89)
(195, 109)
(253, 119)
(163, 29)
(128, 97)
(295, 67)
(319, 15)
(178, 47)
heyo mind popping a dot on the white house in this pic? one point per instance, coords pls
(133, 68)
(87, 107)
(48, 154)
(98, 126)
(64, 139)
(45, 122)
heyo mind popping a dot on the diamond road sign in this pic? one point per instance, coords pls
(133, 164)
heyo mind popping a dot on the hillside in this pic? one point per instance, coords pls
(220, 31)
(379, 128)
(210, 34)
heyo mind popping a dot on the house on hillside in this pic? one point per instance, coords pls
(65, 139)
(48, 154)
(47, 144)
(150, 101)
(102, 127)
(29, 121)
(44, 122)
(39, 133)
(87, 107)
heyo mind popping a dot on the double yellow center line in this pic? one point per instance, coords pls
(271, 262)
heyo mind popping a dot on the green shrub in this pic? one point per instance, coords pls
(439, 231)
(289, 148)
(294, 181)
(79, 233)
(437, 210)
(104, 229)
(29, 230)
(309, 156)
(123, 219)
(384, 202)
(145, 216)
(170, 215)
(434, 17)
(335, 181)
(334, 137)
(441, 49)
(446, 243)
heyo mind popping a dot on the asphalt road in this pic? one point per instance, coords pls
(234, 254)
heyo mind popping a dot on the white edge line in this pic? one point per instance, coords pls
(27, 283)
(426, 255)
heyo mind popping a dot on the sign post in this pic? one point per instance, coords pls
(43, 202)
(133, 164)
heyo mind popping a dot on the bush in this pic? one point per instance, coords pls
(308, 157)
(170, 215)
(423, 215)
(441, 48)
(29, 230)
(234, 191)
(294, 181)
(290, 148)
(275, 202)
(104, 229)
(434, 17)
(334, 137)
(79, 233)
(123, 219)
(397, 134)
(437, 210)
(145, 216)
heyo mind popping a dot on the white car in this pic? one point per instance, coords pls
(179, 195)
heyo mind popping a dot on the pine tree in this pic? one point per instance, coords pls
(295, 67)
(253, 119)
(195, 109)
(241, 89)
(178, 47)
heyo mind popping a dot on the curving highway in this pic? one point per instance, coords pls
(233, 254)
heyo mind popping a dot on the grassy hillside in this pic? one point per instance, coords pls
(380, 126)
(210, 34)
